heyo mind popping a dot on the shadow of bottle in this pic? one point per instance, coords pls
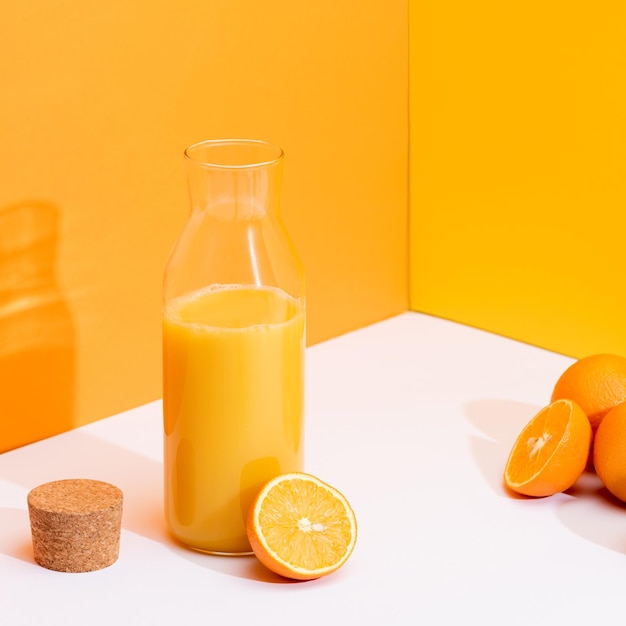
(37, 344)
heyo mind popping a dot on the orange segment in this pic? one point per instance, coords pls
(551, 452)
(300, 527)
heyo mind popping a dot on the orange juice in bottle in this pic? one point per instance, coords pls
(233, 348)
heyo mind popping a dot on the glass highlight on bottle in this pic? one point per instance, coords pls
(233, 346)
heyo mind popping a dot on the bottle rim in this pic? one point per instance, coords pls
(238, 154)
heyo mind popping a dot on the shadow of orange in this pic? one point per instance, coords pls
(37, 344)
(499, 422)
(589, 511)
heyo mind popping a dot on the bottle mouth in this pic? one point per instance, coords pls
(234, 153)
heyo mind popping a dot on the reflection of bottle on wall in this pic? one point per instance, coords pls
(37, 355)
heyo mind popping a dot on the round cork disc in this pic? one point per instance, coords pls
(75, 524)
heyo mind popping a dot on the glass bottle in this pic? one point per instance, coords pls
(233, 346)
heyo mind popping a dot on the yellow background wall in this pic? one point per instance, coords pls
(98, 102)
(518, 169)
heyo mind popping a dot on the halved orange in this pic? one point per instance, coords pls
(551, 452)
(300, 527)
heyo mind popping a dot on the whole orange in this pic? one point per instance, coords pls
(596, 383)
(609, 451)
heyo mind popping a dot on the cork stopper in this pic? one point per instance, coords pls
(75, 524)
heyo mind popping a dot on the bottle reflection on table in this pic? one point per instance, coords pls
(37, 351)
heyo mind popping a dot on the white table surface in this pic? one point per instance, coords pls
(412, 418)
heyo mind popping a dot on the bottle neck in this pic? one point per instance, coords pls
(235, 194)
(234, 235)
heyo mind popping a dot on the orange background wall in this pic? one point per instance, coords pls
(98, 102)
(518, 169)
